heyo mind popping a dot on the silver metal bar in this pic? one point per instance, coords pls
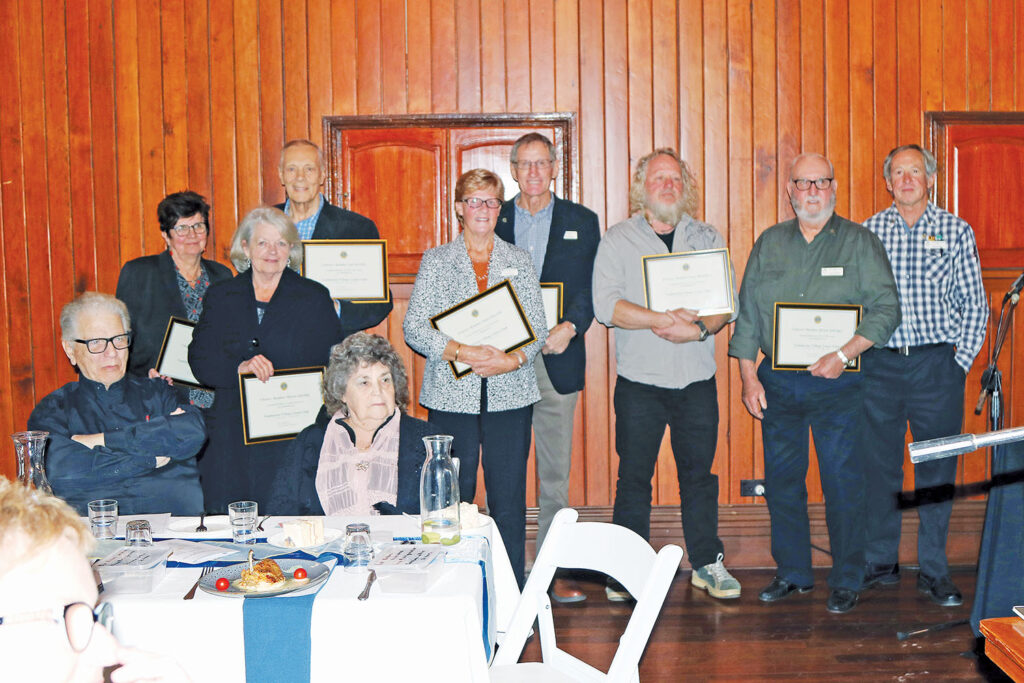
(949, 446)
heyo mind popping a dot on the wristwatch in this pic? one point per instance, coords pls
(704, 331)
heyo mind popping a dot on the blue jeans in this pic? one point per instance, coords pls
(832, 409)
(642, 412)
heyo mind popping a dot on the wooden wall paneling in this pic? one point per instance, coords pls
(80, 155)
(419, 37)
(931, 56)
(393, 65)
(344, 79)
(251, 184)
(318, 57)
(271, 97)
(690, 34)
(1017, 65)
(223, 195)
(175, 102)
(596, 405)
(103, 143)
(566, 64)
(909, 68)
(837, 98)
(640, 76)
(542, 55)
(444, 64)
(861, 182)
(1003, 54)
(665, 74)
(788, 97)
(499, 57)
(295, 71)
(886, 93)
(152, 169)
(812, 76)
(469, 27)
(954, 56)
(979, 55)
(125, 231)
(197, 96)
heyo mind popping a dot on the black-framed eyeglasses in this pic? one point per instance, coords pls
(80, 618)
(99, 344)
(805, 183)
(197, 229)
(476, 202)
(540, 164)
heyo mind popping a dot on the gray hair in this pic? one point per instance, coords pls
(89, 302)
(301, 142)
(638, 191)
(359, 350)
(931, 166)
(812, 155)
(274, 218)
(528, 139)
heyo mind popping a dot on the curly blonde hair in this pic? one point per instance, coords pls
(31, 521)
(638, 193)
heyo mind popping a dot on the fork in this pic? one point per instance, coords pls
(192, 591)
(260, 527)
(202, 527)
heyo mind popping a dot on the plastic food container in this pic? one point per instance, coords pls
(409, 579)
(136, 578)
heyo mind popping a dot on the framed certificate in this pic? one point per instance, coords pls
(352, 270)
(552, 295)
(281, 407)
(803, 333)
(698, 280)
(493, 317)
(173, 359)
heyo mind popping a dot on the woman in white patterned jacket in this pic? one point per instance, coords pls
(492, 406)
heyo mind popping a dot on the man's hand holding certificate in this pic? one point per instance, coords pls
(282, 406)
(695, 280)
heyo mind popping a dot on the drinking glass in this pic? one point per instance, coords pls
(357, 550)
(138, 533)
(103, 518)
(242, 515)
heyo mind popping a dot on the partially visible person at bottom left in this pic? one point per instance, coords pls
(364, 454)
(114, 435)
(51, 628)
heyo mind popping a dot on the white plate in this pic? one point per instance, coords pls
(315, 571)
(281, 539)
(216, 527)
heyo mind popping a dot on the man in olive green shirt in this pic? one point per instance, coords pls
(815, 258)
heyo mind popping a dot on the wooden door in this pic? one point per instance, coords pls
(490, 148)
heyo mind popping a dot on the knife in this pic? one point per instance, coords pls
(371, 577)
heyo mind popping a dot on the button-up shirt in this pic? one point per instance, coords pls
(843, 264)
(532, 231)
(938, 274)
(308, 225)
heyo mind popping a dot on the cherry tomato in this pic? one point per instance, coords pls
(300, 573)
(223, 584)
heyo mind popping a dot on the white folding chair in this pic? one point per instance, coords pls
(607, 548)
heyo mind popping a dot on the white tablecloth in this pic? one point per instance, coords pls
(436, 635)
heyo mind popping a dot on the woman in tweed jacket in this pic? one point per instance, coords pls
(493, 405)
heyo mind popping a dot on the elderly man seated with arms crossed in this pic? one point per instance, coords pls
(114, 435)
(50, 626)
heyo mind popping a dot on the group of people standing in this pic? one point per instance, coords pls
(913, 269)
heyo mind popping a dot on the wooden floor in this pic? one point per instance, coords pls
(698, 638)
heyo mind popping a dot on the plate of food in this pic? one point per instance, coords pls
(304, 533)
(216, 527)
(265, 578)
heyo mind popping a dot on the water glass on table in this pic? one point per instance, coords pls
(242, 515)
(103, 518)
(138, 533)
(358, 550)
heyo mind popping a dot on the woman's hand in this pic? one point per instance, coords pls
(259, 365)
(488, 361)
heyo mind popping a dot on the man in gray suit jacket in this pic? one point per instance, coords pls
(561, 237)
(302, 174)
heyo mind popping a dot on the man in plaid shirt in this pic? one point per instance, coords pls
(918, 377)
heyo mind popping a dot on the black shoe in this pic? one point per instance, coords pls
(881, 575)
(780, 588)
(941, 590)
(841, 600)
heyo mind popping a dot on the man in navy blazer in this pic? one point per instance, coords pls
(302, 174)
(562, 238)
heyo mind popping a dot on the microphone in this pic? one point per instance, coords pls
(1014, 293)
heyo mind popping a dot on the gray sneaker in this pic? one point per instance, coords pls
(716, 580)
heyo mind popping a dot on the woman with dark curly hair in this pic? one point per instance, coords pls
(364, 454)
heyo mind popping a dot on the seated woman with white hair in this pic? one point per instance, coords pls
(114, 435)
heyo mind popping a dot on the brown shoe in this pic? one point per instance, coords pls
(566, 590)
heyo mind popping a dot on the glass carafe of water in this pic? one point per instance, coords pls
(30, 448)
(439, 493)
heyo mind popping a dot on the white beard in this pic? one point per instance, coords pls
(670, 214)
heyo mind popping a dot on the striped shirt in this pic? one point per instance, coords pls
(939, 280)
(307, 226)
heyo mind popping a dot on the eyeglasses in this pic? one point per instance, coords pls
(476, 203)
(540, 164)
(99, 344)
(182, 230)
(805, 183)
(79, 619)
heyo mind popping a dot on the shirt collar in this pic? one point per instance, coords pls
(114, 389)
(316, 215)
(543, 213)
(351, 432)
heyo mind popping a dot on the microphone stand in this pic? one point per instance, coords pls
(951, 446)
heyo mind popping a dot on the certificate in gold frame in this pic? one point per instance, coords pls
(248, 381)
(844, 319)
(556, 289)
(344, 249)
(656, 265)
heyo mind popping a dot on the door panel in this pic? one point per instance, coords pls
(490, 148)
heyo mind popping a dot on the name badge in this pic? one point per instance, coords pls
(934, 244)
(834, 271)
(569, 235)
(510, 272)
